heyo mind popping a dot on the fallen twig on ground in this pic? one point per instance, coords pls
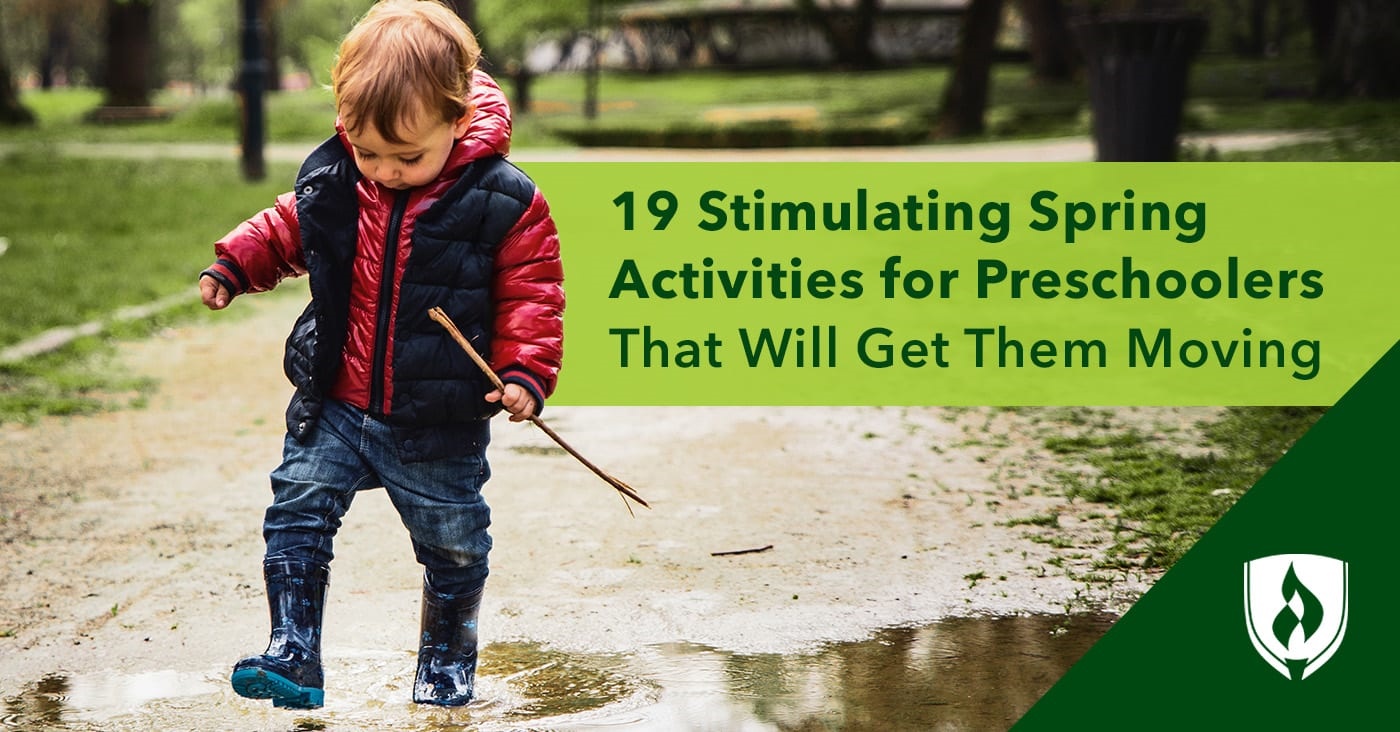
(741, 551)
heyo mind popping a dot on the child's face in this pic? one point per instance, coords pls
(427, 143)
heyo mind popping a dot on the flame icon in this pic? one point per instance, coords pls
(1296, 627)
(1287, 621)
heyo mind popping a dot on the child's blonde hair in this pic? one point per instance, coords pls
(403, 58)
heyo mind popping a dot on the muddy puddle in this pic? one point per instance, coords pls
(968, 673)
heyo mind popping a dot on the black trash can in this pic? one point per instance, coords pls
(1137, 69)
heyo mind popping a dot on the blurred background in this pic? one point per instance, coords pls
(732, 73)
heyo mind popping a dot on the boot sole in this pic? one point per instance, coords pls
(256, 683)
(458, 702)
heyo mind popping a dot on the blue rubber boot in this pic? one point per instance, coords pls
(289, 671)
(447, 649)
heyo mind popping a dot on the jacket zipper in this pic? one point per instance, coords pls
(386, 303)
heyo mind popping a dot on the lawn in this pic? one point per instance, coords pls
(83, 238)
(1164, 500)
(86, 237)
(755, 107)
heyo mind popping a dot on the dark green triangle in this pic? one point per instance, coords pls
(1181, 656)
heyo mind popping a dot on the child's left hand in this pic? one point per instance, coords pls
(516, 400)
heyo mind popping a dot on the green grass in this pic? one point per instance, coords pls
(78, 380)
(1225, 95)
(1165, 500)
(62, 116)
(87, 237)
(1368, 135)
(783, 107)
(698, 108)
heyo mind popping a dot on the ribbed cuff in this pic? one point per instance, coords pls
(229, 275)
(516, 375)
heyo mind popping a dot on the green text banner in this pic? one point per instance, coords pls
(964, 284)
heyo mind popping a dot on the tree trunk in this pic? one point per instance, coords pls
(1053, 54)
(12, 112)
(272, 48)
(849, 35)
(521, 78)
(1248, 27)
(964, 107)
(57, 52)
(129, 46)
(1364, 59)
(1322, 25)
(466, 10)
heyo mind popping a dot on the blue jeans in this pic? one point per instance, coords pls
(439, 501)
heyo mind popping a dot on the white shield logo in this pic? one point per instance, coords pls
(1295, 607)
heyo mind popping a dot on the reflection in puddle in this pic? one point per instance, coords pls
(111, 694)
(969, 673)
(39, 707)
(972, 673)
(531, 684)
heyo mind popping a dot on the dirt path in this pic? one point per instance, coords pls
(131, 540)
(1052, 150)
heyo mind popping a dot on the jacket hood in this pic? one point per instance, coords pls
(488, 133)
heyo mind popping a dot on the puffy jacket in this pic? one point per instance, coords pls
(478, 241)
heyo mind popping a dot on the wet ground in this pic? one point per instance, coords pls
(967, 673)
(909, 584)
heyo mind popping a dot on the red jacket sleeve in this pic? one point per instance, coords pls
(263, 250)
(528, 344)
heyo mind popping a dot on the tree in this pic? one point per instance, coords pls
(1248, 31)
(203, 42)
(272, 44)
(1322, 25)
(964, 107)
(12, 112)
(465, 9)
(130, 45)
(507, 27)
(1363, 58)
(311, 30)
(1053, 54)
(61, 40)
(57, 48)
(848, 33)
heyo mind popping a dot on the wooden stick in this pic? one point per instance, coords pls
(625, 490)
(737, 552)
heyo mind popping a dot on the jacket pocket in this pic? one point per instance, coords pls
(298, 363)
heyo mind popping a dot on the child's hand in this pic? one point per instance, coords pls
(214, 295)
(516, 400)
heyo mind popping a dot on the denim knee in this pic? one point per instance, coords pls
(454, 547)
(311, 491)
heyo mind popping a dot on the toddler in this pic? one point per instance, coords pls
(410, 205)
